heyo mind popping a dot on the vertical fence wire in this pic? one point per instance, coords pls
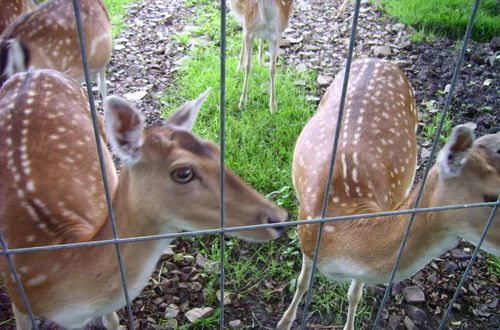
(88, 81)
(222, 154)
(469, 266)
(332, 160)
(19, 285)
(429, 163)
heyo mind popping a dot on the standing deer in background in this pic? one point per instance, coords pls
(374, 171)
(266, 20)
(47, 38)
(11, 9)
(51, 193)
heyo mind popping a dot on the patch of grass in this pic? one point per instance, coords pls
(447, 17)
(421, 35)
(117, 11)
(493, 265)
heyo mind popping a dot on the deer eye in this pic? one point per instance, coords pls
(183, 175)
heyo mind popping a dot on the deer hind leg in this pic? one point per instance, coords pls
(354, 295)
(241, 64)
(248, 41)
(23, 321)
(261, 52)
(102, 83)
(305, 274)
(273, 49)
(111, 321)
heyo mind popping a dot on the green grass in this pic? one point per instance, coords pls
(117, 11)
(447, 17)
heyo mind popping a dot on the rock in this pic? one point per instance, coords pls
(381, 51)
(171, 311)
(135, 96)
(197, 313)
(450, 266)
(235, 324)
(416, 314)
(495, 43)
(459, 254)
(394, 321)
(227, 299)
(413, 295)
(410, 325)
(324, 80)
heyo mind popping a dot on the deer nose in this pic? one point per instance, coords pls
(279, 230)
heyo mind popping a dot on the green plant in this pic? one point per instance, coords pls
(447, 17)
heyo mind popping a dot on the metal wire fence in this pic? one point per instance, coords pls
(116, 241)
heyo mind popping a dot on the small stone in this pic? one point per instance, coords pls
(324, 80)
(171, 312)
(416, 314)
(382, 51)
(410, 325)
(495, 43)
(459, 254)
(413, 295)
(394, 321)
(235, 324)
(135, 96)
(197, 313)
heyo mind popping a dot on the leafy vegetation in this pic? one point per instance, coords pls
(447, 17)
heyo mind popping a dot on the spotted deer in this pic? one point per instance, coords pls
(11, 9)
(51, 193)
(373, 172)
(46, 37)
(266, 20)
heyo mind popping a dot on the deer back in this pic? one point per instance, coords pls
(49, 34)
(376, 156)
(11, 9)
(51, 189)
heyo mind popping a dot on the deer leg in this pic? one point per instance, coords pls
(241, 64)
(111, 321)
(261, 52)
(354, 294)
(247, 40)
(102, 83)
(23, 321)
(273, 49)
(305, 274)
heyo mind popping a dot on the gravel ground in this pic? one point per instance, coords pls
(145, 58)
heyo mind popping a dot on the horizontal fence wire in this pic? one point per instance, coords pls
(350, 53)
(102, 164)
(222, 231)
(243, 228)
(429, 164)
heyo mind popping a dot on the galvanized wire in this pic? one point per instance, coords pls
(469, 266)
(22, 293)
(334, 154)
(430, 160)
(222, 155)
(88, 81)
(244, 228)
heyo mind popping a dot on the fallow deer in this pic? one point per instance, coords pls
(266, 20)
(51, 193)
(46, 37)
(374, 171)
(11, 9)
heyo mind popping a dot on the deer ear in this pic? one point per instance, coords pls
(185, 116)
(454, 154)
(124, 129)
(14, 57)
